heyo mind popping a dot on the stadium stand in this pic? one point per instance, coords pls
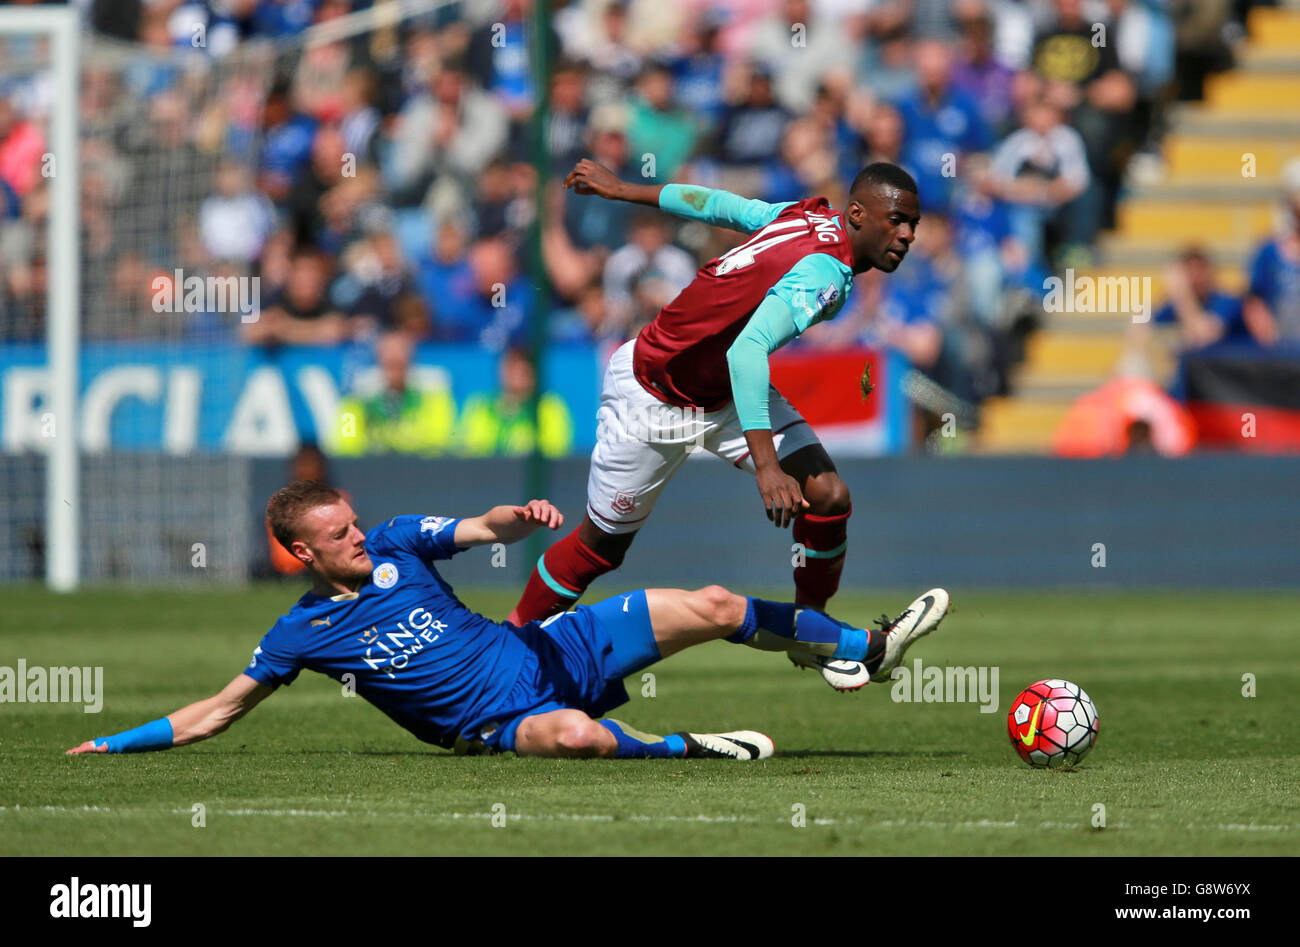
(1198, 192)
(395, 161)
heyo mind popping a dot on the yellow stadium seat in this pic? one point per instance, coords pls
(1194, 220)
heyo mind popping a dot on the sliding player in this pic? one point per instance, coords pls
(698, 376)
(381, 619)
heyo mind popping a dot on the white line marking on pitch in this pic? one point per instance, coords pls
(594, 817)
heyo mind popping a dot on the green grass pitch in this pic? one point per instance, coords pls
(1185, 764)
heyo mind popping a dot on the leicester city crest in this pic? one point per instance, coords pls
(385, 575)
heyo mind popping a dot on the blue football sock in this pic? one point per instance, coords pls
(747, 627)
(778, 626)
(635, 745)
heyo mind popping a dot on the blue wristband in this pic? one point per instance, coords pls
(154, 735)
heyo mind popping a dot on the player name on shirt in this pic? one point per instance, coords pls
(681, 356)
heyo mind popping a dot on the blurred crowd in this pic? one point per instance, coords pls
(385, 183)
(1200, 312)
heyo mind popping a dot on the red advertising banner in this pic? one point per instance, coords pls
(826, 386)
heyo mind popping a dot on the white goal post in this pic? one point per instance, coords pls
(61, 27)
(88, 492)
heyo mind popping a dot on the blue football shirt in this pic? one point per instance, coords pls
(1224, 307)
(1275, 278)
(411, 647)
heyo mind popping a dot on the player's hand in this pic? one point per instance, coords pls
(781, 495)
(540, 512)
(87, 747)
(588, 177)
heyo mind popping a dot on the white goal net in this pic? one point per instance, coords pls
(155, 497)
(136, 238)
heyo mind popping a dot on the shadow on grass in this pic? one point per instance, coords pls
(914, 754)
(433, 753)
(447, 754)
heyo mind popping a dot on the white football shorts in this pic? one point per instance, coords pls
(641, 442)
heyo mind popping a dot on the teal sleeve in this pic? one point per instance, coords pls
(718, 207)
(815, 288)
(812, 291)
(770, 327)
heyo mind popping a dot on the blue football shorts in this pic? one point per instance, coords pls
(582, 658)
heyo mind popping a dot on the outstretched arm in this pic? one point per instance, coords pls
(772, 325)
(692, 201)
(813, 290)
(590, 177)
(507, 524)
(198, 721)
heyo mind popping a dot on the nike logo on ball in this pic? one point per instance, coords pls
(1028, 738)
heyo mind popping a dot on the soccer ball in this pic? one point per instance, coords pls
(1052, 723)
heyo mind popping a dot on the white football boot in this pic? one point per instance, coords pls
(735, 745)
(915, 622)
(840, 673)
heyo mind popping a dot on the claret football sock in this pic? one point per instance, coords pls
(635, 745)
(560, 577)
(780, 626)
(824, 539)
